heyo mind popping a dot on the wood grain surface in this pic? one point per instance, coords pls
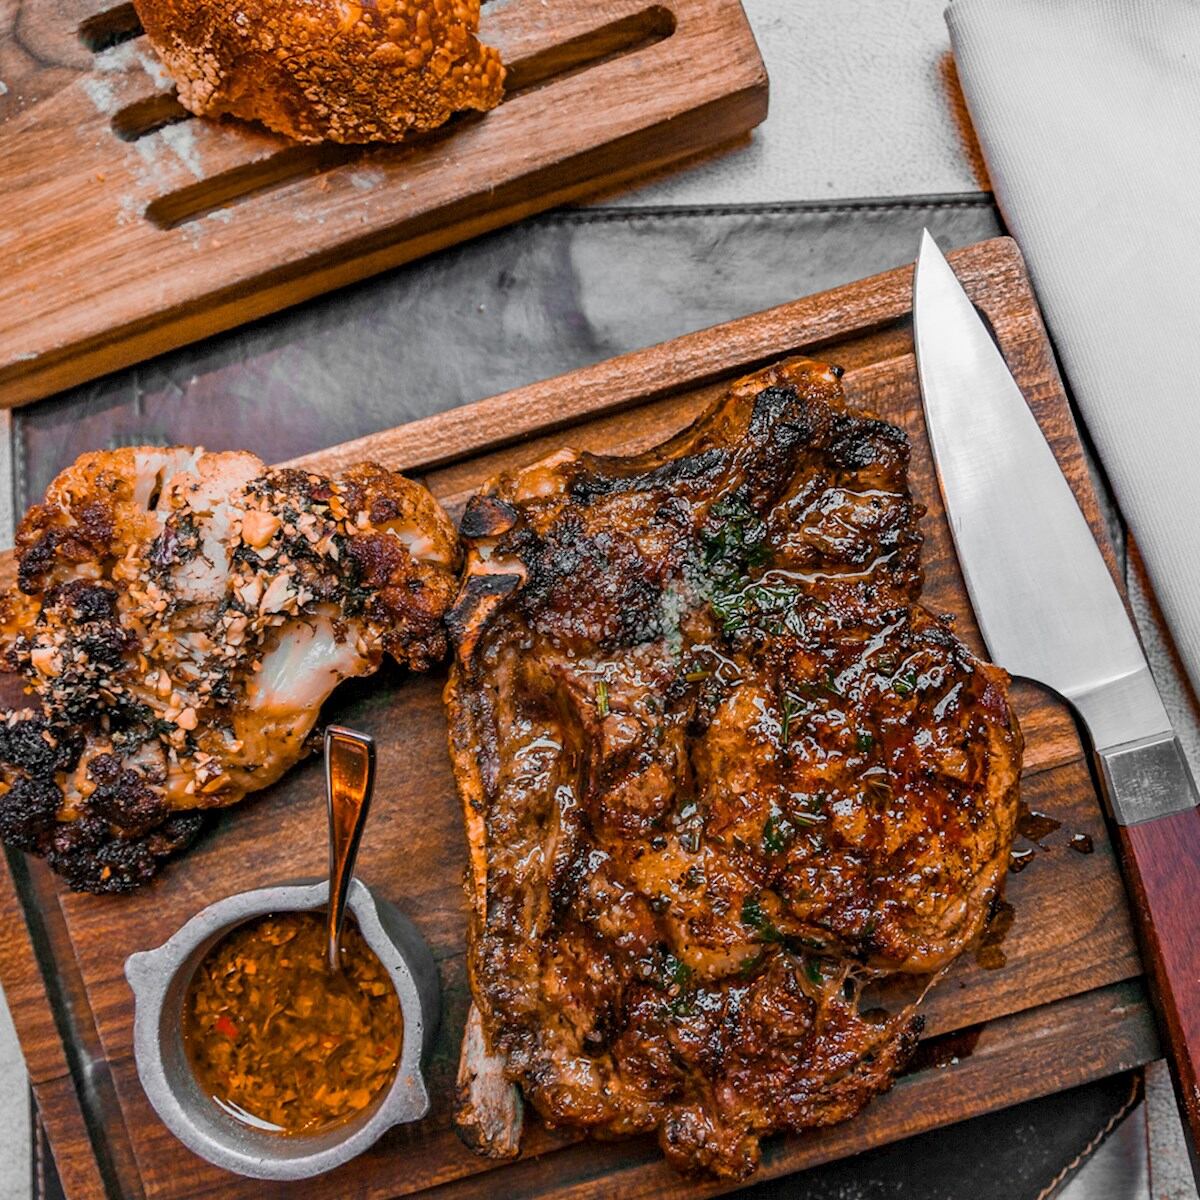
(1065, 1005)
(1162, 862)
(131, 227)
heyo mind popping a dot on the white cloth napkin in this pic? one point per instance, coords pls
(1088, 114)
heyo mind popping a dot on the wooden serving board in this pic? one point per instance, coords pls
(130, 227)
(1066, 1007)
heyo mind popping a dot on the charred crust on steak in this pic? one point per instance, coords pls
(479, 595)
(485, 516)
(720, 772)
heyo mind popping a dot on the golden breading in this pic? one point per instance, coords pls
(327, 70)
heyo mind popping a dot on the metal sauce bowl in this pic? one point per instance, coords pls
(160, 979)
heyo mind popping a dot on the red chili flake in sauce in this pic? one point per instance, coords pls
(279, 1040)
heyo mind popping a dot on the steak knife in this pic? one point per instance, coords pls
(1049, 611)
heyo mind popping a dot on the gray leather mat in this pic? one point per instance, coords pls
(1025, 1153)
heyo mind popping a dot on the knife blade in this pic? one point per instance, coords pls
(1049, 610)
(1041, 590)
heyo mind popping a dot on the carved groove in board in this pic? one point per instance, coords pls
(110, 28)
(542, 68)
(591, 49)
(94, 285)
(252, 179)
(147, 116)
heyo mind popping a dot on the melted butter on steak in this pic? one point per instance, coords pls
(720, 772)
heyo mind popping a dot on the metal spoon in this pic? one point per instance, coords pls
(349, 782)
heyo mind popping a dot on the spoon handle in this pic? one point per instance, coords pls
(349, 782)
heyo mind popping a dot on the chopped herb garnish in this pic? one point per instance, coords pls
(777, 833)
(734, 540)
(812, 968)
(864, 742)
(769, 607)
(754, 916)
(751, 963)
(814, 687)
(677, 977)
(602, 697)
(790, 707)
(678, 971)
(808, 819)
(903, 685)
(813, 801)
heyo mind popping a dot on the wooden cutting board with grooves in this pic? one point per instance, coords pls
(1058, 1001)
(131, 227)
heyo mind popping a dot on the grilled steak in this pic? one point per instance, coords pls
(720, 772)
(180, 617)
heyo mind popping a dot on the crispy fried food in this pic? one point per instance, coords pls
(180, 618)
(327, 70)
(720, 772)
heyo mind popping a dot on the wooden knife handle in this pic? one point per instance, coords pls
(1161, 849)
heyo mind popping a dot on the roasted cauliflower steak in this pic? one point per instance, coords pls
(179, 618)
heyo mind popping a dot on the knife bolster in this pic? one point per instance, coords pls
(1146, 779)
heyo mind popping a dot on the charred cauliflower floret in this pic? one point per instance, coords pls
(179, 619)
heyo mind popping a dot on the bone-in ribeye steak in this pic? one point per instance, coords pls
(720, 771)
